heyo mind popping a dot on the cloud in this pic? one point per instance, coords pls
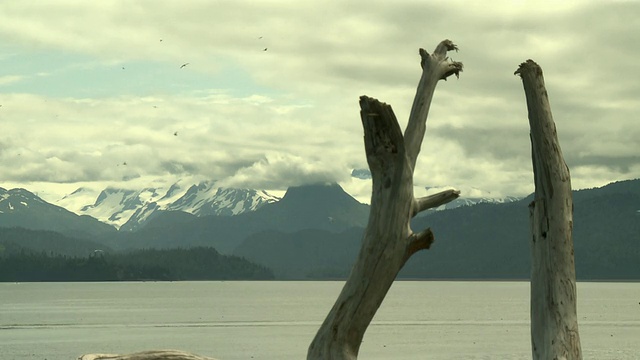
(278, 171)
(291, 113)
(212, 134)
(9, 79)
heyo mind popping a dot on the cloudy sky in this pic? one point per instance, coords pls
(94, 93)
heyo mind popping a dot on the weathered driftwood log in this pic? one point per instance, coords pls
(147, 355)
(554, 323)
(388, 239)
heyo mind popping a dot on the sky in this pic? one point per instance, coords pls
(95, 93)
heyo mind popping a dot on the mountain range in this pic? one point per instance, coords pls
(129, 209)
(21, 208)
(314, 231)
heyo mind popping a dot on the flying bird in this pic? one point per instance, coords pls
(265, 49)
(183, 65)
(175, 133)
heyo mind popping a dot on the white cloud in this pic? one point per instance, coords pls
(279, 171)
(290, 114)
(9, 79)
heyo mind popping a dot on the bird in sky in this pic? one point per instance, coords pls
(175, 133)
(183, 65)
(265, 49)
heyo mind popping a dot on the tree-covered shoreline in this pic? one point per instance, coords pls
(200, 263)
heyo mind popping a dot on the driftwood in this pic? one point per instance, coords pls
(388, 239)
(554, 323)
(147, 355)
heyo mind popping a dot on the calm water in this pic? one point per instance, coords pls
(277, 320)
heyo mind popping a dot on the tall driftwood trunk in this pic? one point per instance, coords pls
(554, 323)
(388, 239)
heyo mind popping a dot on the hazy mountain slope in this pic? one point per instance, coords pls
(493, 240)
(479, 241)
(21, 208)
(13, 240)
(303, 254)
(483, 240)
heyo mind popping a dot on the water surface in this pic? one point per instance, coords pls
(277, 320)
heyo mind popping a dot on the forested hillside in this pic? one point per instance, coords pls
(44, 241)
(18, 264)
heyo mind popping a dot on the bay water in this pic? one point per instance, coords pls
(277, 320)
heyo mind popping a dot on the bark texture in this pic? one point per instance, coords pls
(554, 323)
(388, 239)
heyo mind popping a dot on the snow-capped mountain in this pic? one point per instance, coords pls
(111, 205)
(117, 205)
(468, 201)
(207, 199)
(16, 200)
(202, 199)
(22, 208)
(128, 209)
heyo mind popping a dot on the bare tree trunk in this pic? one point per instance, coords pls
(388, 239)
(554, 323)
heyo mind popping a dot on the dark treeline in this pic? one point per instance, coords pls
(171, 264)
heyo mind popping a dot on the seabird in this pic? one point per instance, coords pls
(175, 133)
(265, 49)
(183, 65)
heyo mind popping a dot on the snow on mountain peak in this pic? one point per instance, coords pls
(131, 207)
(207, 199)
